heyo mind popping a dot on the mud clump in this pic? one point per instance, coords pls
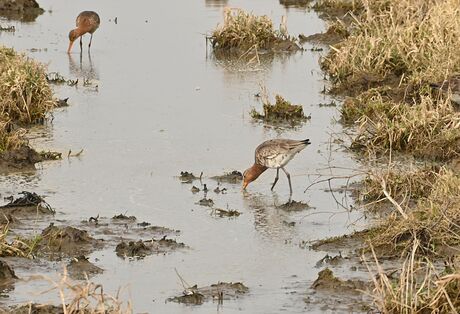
(187, 177)
(294, 206)
(207, 202)
(220, 291)
(35, 308)
(6, 273)
(327, 281)
(226, 213)
(301, 4)
(68, 240)
(29, 204)
(24, 10)
(334, 34)
(81, 268)
(122, 217)
(22, 158)
(280, 112)
(141, 248)
(233, 177)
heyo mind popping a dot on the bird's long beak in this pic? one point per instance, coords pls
(245, 184)
(70, 46)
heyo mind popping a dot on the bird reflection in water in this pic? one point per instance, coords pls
(269, 219)
(83, 69)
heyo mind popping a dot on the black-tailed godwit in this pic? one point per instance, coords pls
(274, 154)
(87, 22)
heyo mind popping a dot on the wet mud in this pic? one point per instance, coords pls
(81, 268)
(216, 292)
(234, 177)
(34, 308)
(142, 248)
(29, 205)
(23, 158)
(67, 240)
(24, 10)
(294, 206)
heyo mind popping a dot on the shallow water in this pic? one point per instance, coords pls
(159, 103)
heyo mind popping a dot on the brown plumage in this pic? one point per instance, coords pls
(87, 22)
(273, 154)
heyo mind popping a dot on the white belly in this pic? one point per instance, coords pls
(279, 160)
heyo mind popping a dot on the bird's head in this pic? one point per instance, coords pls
(73, 35)
(252, 173)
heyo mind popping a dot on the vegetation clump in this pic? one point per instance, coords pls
(242, 31)
(25, 99)
(25, 95)
(282, 111)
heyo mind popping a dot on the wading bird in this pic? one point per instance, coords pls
(87, 22)
(273, 154)
(452, 85)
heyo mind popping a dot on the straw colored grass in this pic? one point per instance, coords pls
(84, 298)
(242, 31)
(396, 48)
(25, 95)
(434, 220)
(415, 40)
(420, 288)
(427, 129)
(17, 247)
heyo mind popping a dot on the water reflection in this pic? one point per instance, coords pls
(216, 3)
(300, 4)
(269, 219)
(84, 67)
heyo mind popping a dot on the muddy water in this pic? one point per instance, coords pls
(158, 104)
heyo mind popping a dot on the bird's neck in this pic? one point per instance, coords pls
(257, 170)
(80, 31)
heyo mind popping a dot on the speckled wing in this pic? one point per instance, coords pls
(88, 20)
(277, 153)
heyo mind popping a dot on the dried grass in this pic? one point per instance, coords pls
(243, 31)
(84, 298)
(421, 288)
(25, 96)
(433, 221)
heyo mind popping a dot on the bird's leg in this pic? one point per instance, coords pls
(81, 44)
(289, 180)
(90, 40)
(276, 178)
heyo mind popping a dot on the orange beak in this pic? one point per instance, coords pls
(70, 46)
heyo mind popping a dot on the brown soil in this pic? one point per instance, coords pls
(81, 268)
(35, 309)
(29, 205)
(327, 281)
(295, 3)
(226, 213)
(206, 202)
(187, 177)
(233, 177)
(6, 273)
(294, 206)
(24, 10)
(220, 291)
(353, 241)
(331, 37)
(68, 240)
(141, 248)
(111, 229)
(23, 158)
